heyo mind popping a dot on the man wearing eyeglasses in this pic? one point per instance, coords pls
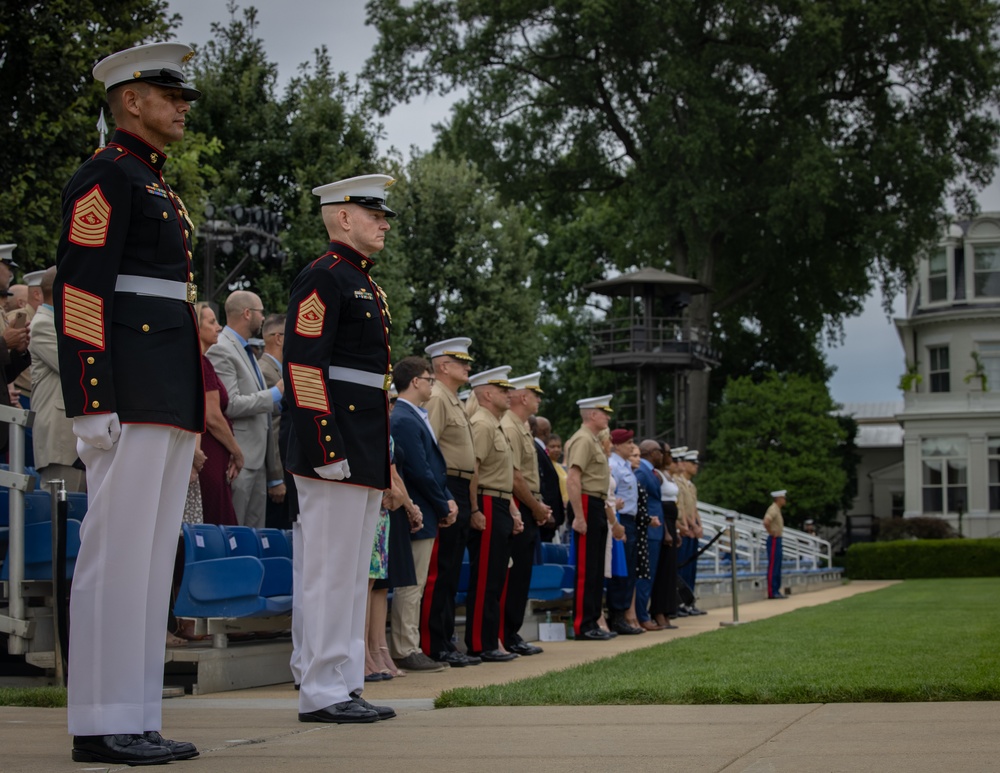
(419, 461)
(251, 402)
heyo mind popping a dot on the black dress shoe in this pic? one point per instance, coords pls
(497, 656)
(182, 750)
(119, 749)
(596, 634)
(341, 714)
(523, 648)
(456, 659)
(693, 610)
(620, 626)
(668, 627)
(384, 712)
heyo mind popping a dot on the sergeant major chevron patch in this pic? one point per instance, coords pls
(91, 218)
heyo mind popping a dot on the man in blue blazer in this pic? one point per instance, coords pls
(419, 461)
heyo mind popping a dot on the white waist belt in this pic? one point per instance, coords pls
(160, 288)
(363, 377)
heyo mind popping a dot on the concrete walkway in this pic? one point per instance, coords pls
(257, 730)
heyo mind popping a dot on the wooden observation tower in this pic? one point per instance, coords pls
(654, 338)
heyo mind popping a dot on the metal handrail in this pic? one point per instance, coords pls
(15, 622)
(636, 334)
(751, 539)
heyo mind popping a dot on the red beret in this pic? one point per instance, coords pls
(619, 436)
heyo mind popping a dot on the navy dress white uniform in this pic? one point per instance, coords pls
(130, 365)
(337, 372)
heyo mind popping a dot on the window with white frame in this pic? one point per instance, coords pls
(993, 461)
(989, 357)
(937, 276)
(945, 463)
(986, 272)
(940, 370)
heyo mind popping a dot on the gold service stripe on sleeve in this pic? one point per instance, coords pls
(83, 316)
(309, 388)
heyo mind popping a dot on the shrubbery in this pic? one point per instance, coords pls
(890, 529)
(911, 559)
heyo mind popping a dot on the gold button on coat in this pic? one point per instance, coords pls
(95, 404)
(350, 407)
(145, 328)
(93, 382)
(328, 438)
(164, 215)
(90, 360)
(368, 314)
(323, 422)
(332, 455)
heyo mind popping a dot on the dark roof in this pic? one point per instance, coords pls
(645, 280)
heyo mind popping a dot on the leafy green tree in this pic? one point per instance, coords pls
(47, 51)
(778, 433)
(469, 262)
(786, 154)
(276, 148)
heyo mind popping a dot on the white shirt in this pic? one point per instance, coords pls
(668, 489)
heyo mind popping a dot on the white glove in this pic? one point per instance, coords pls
(336, 471)
(100, 430)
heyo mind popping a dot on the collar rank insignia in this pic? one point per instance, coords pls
(364, 294)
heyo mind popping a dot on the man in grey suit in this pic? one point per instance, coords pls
(54, 441)
(251, 402)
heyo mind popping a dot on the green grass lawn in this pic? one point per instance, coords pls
(922, 640)
(33, 697)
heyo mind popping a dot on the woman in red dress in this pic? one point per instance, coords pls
(224, 459)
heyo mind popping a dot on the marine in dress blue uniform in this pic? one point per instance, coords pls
(337, 373)
(130, 365)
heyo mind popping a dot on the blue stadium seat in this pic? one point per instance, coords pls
(38, 550)
(241, 541)
(76, 504)
(217, 583)
(274, 543)
(547, 582)
(37, 507)
(555, 553)
(463, 582)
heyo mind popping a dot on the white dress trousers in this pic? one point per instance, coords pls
(338, 523)
(295, 664)
(121, 584)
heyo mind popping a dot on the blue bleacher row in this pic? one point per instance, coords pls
(236, 571)
(229, 571)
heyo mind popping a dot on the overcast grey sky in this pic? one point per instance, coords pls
(869, 363)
